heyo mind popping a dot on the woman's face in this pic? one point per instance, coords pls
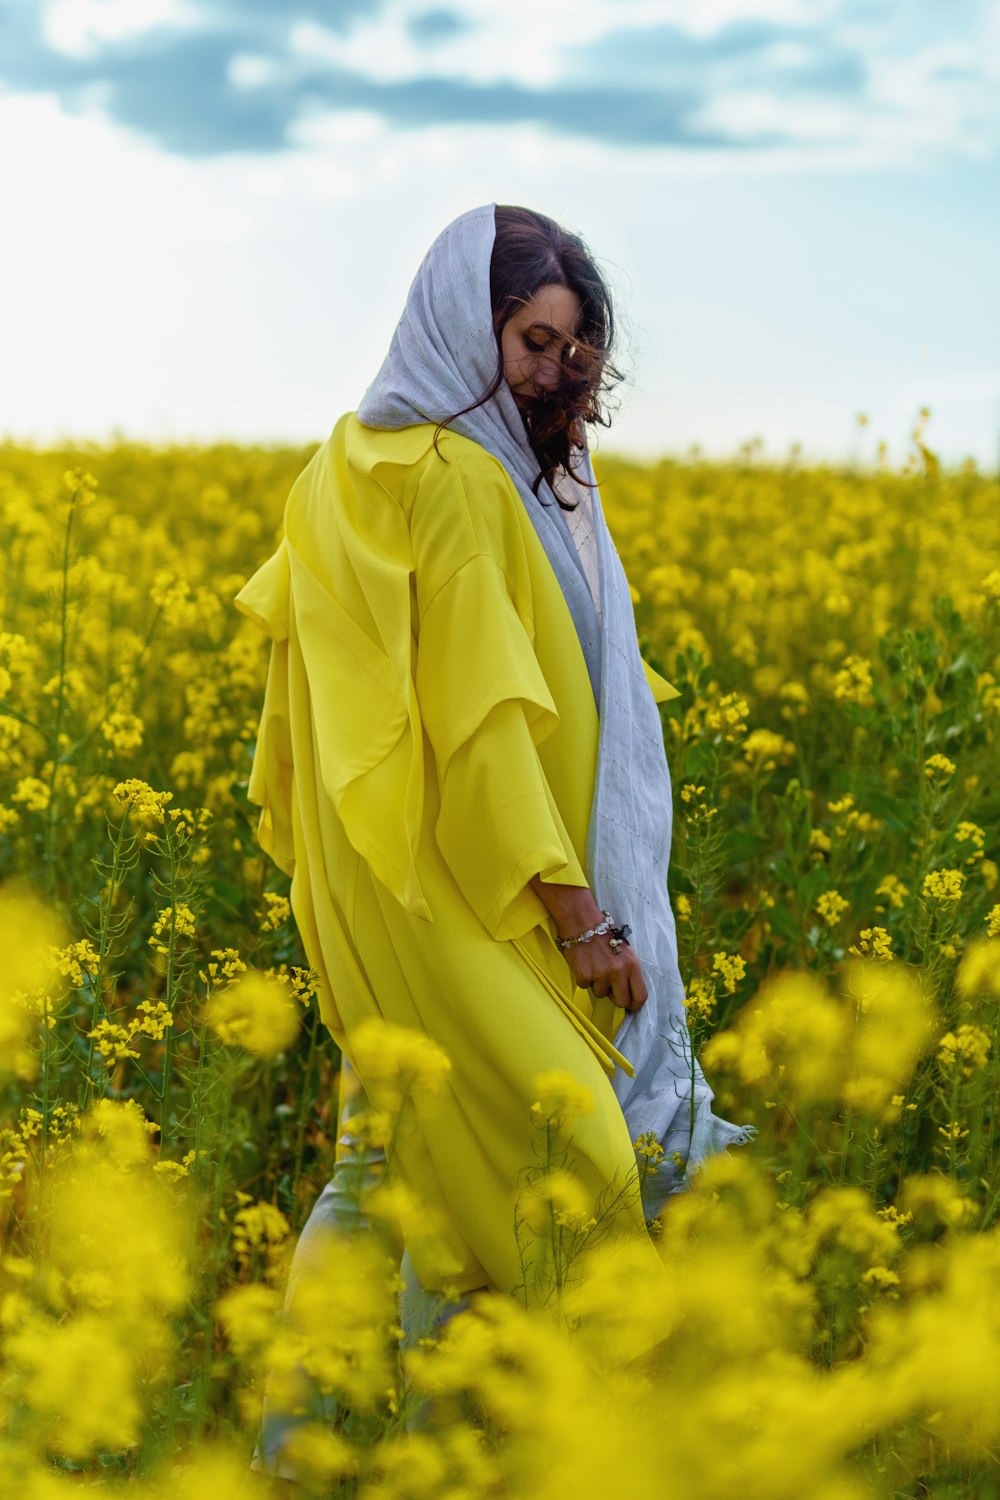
(534, 338)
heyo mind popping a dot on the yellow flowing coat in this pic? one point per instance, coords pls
(427, 744)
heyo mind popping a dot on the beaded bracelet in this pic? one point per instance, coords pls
(619, 935)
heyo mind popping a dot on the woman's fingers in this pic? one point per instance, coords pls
(637, 985)
(615, 976)
(621, 987)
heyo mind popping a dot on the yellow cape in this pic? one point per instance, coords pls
(428, 743)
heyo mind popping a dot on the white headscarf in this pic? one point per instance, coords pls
(442, 356)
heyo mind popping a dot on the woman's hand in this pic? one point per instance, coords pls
(594, 964)
(617, 976)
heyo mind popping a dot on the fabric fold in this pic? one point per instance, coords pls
(486, 706)
(662, 690)
(265, 599)
(342, 606)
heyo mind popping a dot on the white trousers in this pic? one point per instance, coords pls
(337, 1211)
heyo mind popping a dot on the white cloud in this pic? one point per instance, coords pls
(254, 296)
(744, 114)
(506, 44)
(962, 113)
(79, 28)
(250, 70)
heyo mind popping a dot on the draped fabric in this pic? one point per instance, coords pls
(428, 742)
(442, 357)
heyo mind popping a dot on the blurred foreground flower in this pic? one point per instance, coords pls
(256, 1012)
(31, 937)
(562, 1098)
(393, 1060)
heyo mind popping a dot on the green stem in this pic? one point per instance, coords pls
(305, 1100)
(50, 827)
(104, 944)
(952, 1143)
(165, 1135)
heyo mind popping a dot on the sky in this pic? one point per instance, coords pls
(214, 209)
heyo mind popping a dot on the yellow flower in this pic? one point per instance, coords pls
(75, 960)
(893, 889)
(560, 1098)
(940, 766)
(80, 1385)
(970, 833)
(894, 1021)
(259, 1226)
(279, 909)
(648, 1147)
(224, 964)
(32, 792)
(979, 971)
(879, 1276)
(731, 968)
(852, 683)
(970, 1043)
(140, 796)
(393, 1060)
(792, 1031)
(339, 1321)
(31, 935)
(152, 1019)
(796, 700)
(700, 999)
(122, 731)
(890, 1212)
(80, 483)
(874, 943)
(180, 920)
(256, 1012)
(318, 1454)
(114, 1042)
(249, 1316)
(764, 749)
(393, 1201)
(942, 885)
(831, 907)
(560, 1198)
(933, 1193)
(845, 1216)
(729, 716)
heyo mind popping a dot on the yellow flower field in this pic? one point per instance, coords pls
(168, 1094)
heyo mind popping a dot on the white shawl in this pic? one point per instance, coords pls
(442, 356)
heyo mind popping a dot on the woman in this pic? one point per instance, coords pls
(460, 760)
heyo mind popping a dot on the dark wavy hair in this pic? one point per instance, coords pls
(530, 251)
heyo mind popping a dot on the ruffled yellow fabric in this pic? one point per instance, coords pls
(351, 605)
(428, 742)
(352, 600)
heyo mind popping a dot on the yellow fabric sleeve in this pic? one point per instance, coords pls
(485, 705)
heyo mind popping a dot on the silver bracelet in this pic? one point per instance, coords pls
(585, 937)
